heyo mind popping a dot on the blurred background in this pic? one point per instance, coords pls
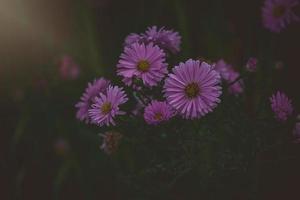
(45, 153)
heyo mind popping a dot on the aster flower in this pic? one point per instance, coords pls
(193, 89)
(106, 106)
(111, 142)
(157, 112)
(68, 69)
(165, 39)
(251, 64)
(277, 14)
(133, 38)
(145, 62)
(168, 40)
(281, 106)
(229, 75)
(88, 98)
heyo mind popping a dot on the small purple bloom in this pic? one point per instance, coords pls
(106, 106)
(229, 75)
(281, 106)
(223, 68)
(132, 38)
(238, 86)
(166, 39)
(251, 64)
(157, 112)
(193, 89)
(145, 62)
(88, 98)
(277, 14)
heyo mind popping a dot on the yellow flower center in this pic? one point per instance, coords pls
(192, 90)
(158, 116)
(106, 108)
(143, 65)
(278, 11)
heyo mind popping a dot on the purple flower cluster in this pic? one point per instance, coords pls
(189, 90)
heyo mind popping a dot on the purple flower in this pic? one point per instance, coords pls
(238, 85)
(251, 64)
(111, 142)
(165, 39)
(281, 106)
(277, 14)
(229, 75)
(68, 69)
(145, 62)
(157, 112)
(106, 106)
(133, 38)
(223, 68)
(193, 89)
(88, 98)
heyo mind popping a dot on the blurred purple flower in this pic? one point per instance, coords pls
(145, 62)
(281, 106)
(111, 142)
(68, 69)
(277, 14)
(251, 64)
(166, 39)
(106, 106)
(193, 89)
(88, 98)
(229, 75)
(223, 68)
(157, 112)
(238, 85)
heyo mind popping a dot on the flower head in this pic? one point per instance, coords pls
(193, 89)
(106, 106)
(281, 106)
(88, 98)
(145, 62)
(111, 142)
(251, 64)
(157, 112)
(238, 85)
(168, 40)
(229, 75)
(223, 68)
(277, 14)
